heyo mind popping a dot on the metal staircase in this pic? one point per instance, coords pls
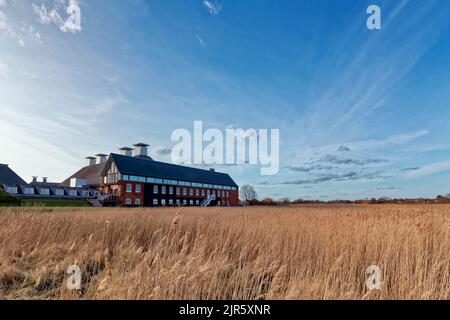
(208, 201)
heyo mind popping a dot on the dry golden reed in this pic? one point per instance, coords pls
(299, 252)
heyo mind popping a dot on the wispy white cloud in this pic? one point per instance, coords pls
(5, 27)
(429, 169)
(52, 15)
(212, 6)
(200, 40)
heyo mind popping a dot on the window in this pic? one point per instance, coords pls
(228, 194)
(12, 190)
(219, 193)
(155, 202)
(86, 193)
(28, 191)
(178, 202)
(197, 202)
(73, 193)
(125, 178)
(214, 193)
(170, 202)
(59, 192)
(178, 191)
(203, 192)
(219, 204)
(191, 192)
(129, 188)
(223, 203)
(228, 203)
(185, 192)
(208, 192)
(137, 201)
(184, 202)
(128, 201)
(155, 189)
(138, 188)
(163, 190)
(197, 192)
(163, 202)
(170, 190)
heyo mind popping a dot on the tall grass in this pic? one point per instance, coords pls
(217, 253)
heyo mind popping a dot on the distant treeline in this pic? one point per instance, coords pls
(285, 202)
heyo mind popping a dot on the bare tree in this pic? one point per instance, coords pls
(248, 193)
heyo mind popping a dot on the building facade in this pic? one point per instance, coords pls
(139, 181)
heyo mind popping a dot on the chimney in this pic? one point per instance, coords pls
(35, 179)
(141, 150)
(44, 179)
(101, 158)
(212, 170)
(125, 151)
(90, 161)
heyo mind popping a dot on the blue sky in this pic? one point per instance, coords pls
(362, 113)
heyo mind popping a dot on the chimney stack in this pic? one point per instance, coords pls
(44, 179)
(212, 170)
(90, 161)
(35, 179)
(125, 151)
(141, 150)
(101, 158)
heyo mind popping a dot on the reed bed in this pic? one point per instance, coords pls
(256, 253)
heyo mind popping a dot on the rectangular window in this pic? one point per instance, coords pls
(208, 192)
(129, 188)
(197, 202)
(184, 202)
(138, 188)
(86, 193)
(203, 192)
(155, 202)
(163, 190)
(163, 202)
(73, 193)
(178, 202)
(155, 189)
(185, 192)
(59, 192)
(197, 192)
(137, 201)
(125, 177)
(191, 192)
(170, 190)
(228, 203)
(228, 194)
(127, 201)
(12, 190)
(29, 191)
(178, 191)
(170, 202)
(191, 202)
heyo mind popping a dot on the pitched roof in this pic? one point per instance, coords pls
(9, 177)
(161, 170)
(93, 175)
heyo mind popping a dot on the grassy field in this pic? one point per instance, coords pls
(315, 252)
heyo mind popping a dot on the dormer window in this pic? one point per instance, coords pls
(12, 190)
(28, 191)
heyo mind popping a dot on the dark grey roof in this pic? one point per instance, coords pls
(161, 170)
(9, 177)
(93, 175)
